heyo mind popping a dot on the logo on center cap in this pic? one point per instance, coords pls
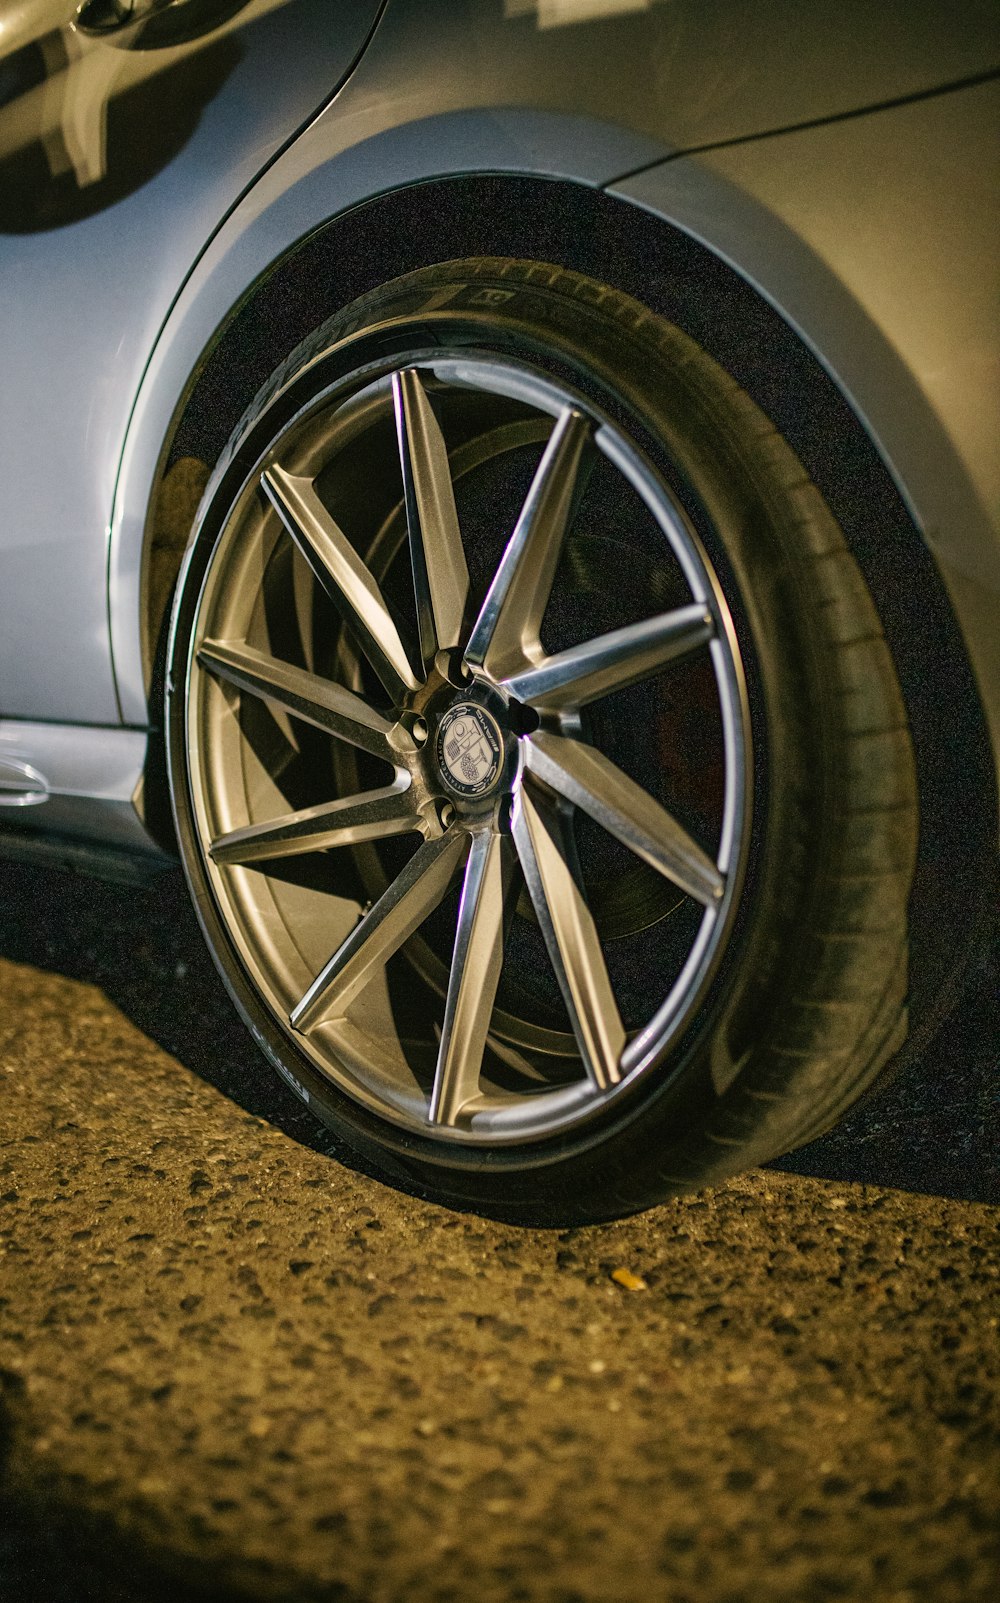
(469, 749)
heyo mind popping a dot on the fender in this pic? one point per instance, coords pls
(891, 284)
(338, 164)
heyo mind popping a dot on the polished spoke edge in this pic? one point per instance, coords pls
(400, 910)
(343, 575)
(440, 572)
(505, 635)
(320, 702)
(371, 815)
(593, 783)
(541, 836)
(476, 963)
(612, 661)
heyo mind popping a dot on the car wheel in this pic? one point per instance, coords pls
(539, 767)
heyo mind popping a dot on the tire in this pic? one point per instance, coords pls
(658, 980)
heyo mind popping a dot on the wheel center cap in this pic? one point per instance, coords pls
(470, 749)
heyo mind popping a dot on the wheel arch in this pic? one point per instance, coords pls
(199, 385)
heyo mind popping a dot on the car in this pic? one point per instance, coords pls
(506, 494)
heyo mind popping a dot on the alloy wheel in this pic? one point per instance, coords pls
(428, 758)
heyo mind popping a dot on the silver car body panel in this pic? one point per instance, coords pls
(89, 776)
(876, 239)
(92, 297)
(443, 90)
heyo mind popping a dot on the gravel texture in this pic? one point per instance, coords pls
(234, 1367)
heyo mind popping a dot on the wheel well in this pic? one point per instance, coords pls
(631, 250)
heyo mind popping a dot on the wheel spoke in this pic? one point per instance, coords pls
(440, 573)
(475, 974)
(372, 815)
(381, 932)
(541, 835)
(591, 782)
(505, 635)
(611, 662)
(319, 701)
(342, 574)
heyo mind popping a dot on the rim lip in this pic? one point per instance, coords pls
(517, 1122)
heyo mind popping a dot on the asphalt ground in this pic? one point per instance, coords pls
(235, 1367)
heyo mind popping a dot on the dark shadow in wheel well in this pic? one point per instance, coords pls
(627, 248)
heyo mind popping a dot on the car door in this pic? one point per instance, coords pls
(128, 130)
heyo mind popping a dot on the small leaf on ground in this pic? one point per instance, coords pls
(631, 1282)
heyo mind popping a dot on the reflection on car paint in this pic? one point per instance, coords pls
(87, 117)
